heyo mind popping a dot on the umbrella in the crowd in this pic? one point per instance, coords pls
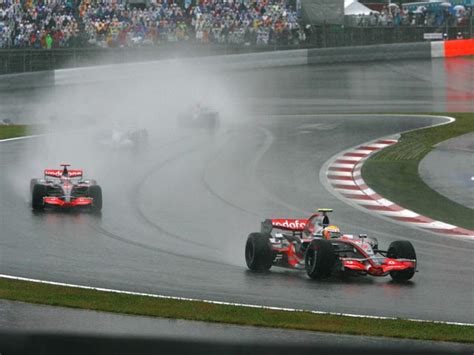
(419, 10)
(392, 5)
(459, 8)
(445, 4)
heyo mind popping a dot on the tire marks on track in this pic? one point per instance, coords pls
(133, 197)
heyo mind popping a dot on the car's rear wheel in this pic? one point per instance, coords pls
(213, 123)
(402, 249)
(95, 192)
(258, 252)
(320, 259)
(33, 182)
(37, 194)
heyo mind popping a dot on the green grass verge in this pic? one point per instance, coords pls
(13, 131)
(200, 311)
(393, 173)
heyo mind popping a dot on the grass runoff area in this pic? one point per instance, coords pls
(201, 311)
(393, 172)
(12, 131)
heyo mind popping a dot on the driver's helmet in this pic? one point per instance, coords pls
(331, 232)
(65, 173)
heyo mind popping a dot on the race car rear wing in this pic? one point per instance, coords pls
(57, 173)
(292, 225)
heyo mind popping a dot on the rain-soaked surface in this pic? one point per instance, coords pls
(176, 215)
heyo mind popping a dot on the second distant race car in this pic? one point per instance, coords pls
(125, 139)
(65, 188)
(199, 116)
(320, 248)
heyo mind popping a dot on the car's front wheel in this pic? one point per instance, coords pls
(320, 259)
(37, 194)
(95, 192)
(402, 249)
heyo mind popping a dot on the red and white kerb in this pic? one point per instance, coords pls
(344, 176)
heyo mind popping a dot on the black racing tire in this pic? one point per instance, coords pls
(213, 123)
(33, 182)
(37, 194)
(401, 249)
(95, 192)
(320, 259)
(144, 138)
(258, 252)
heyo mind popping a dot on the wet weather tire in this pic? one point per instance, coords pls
(402, 249)
(320, 259)
(258, 252)
(96, 193)
(33, 182)
(37, 194)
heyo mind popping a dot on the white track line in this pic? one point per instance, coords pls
(18, 138)
(100, 289)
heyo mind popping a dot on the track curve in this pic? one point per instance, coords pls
(177, 224)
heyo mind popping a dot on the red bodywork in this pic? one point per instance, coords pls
(65, 177)
(58, 173)
(80, 201)
(379, 266)
(362, 258)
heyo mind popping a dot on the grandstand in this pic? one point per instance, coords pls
(38, 35)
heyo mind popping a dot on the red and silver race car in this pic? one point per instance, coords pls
(65, 188)
(320, 248)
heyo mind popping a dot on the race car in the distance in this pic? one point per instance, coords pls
(125, 139)
(65, 188)
(321, 249)
(199, 116)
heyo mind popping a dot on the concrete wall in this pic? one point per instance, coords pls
(222, 62)
(381, 52)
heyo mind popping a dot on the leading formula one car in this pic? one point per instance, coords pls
(65, 188)
(320, 248)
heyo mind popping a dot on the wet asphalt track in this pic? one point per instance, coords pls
(179, 224)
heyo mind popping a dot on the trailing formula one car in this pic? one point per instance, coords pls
(199, 117)
(321, 249)
(65, 188)
(125, 139)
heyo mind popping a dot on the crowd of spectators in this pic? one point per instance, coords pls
(36, 25)
(421, 16)
(58, 23)
(70, 23)
(216, 21)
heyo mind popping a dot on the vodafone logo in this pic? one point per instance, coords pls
(74, 173)
(53, 173)
(59, 173)
(289, 223)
